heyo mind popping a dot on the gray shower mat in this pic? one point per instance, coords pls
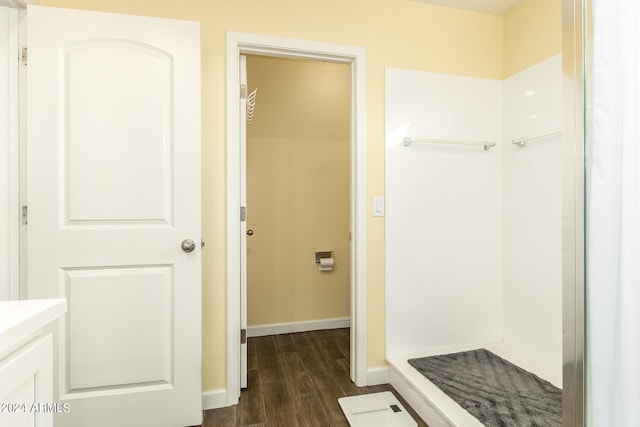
(495, 391)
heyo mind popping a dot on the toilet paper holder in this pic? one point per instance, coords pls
(322, 254)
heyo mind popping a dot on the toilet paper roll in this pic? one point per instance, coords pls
(326, 264)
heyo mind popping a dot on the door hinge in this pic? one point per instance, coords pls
(24, 215)
(243, 336)
(243, 213)
(23, 56)
(243, 91)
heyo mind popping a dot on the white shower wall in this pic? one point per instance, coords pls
(473, 236)
(532, 229)
(444, 212)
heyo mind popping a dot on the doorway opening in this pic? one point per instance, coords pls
(250, 44)
(297, 191)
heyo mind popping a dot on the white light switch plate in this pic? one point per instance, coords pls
(378, 206)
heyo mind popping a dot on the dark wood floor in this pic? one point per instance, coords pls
(296, 380)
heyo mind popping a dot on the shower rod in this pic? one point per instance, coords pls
(486, 144)
(521, 142)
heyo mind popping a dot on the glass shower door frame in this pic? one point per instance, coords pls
(575, 22)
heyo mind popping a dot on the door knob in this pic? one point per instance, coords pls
(249, 232)
(188, 245)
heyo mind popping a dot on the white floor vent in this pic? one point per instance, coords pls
(375, 410)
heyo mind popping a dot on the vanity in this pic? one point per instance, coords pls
(26, 362)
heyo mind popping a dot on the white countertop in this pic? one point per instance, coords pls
(20, 319)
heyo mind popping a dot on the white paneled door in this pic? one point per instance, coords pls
(113, 140)
(243, 222)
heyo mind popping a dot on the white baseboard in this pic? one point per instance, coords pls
(288, 328)
(212, 399)
(378, 375)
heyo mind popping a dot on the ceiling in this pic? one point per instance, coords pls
(494, 7)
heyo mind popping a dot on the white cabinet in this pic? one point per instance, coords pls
(26, 363)
(26, 385)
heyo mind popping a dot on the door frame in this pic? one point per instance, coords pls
(18, 158)
(11, 146)
(255, 44)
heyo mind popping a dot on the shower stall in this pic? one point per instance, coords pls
(474, 225)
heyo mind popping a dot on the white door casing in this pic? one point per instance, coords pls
(113, 140)
(245, 43)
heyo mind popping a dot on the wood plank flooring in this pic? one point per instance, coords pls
(295, 380)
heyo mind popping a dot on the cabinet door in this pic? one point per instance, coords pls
(26, 385)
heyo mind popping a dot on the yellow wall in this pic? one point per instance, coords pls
(395, 33)
(532, 33)
(297, 190)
